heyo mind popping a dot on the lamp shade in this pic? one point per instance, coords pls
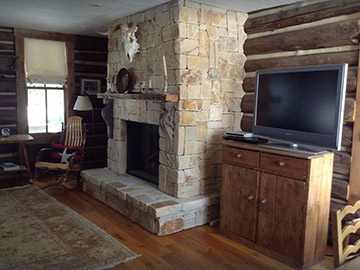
(83, 104)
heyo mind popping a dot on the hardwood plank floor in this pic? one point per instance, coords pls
(198, 248)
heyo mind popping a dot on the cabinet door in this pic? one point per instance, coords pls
(239, 201)
(281, 224)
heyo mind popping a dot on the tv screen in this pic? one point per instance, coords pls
(302, 105)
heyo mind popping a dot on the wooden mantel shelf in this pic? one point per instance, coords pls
(160, 97)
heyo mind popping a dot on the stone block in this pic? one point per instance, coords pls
(153, 117)
(219, 19)
(201, 131)
(187, 46)
(203, 116)
(171, 32)
(198, 62)
(188, 105)
(233, 104)
(164, 208)
(241, 17)
(237, 121)
(175, 176)
(191, 132)
(228, 44)
(232, 24)
(186, 162)
(214, 54)
(192, 31)
(223, 32)
(185, 190)
(192, 203)
(187, 118)
(192, 175)
(213, 33)
(168, 160)
(190, 76)
(194, 147)
(203, 44)
(179, 140)
(169, 226)
(216, 112)
(206, 15)
(189, 15)
(228, 120)
(194, 92)
(214, 124)
(162, 18)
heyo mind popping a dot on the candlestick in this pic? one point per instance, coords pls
(165, 70)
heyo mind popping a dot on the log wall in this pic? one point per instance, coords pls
(90, 56)
(8, 104)
(302, 34)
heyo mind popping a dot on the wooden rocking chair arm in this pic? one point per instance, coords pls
(42, 152)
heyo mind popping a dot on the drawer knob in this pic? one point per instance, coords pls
(263, 201)
(281, 163)
(238, 155)
(251, 197)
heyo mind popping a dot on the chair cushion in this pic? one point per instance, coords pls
(61, 153)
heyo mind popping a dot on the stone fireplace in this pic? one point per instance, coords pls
(204, 59)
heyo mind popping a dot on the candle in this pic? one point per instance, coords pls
(149, 83)
(164, 60)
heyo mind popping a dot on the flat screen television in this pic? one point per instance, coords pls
(301, 105)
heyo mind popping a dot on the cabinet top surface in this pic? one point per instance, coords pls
(258, 148)
(18, 138)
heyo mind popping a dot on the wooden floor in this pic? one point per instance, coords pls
(197, 248)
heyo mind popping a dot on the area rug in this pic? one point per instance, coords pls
(37, 232)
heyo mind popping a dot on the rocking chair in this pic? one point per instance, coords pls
(63, 158)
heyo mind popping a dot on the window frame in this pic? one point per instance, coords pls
(21, 87)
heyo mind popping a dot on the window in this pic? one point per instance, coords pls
(45, 107)
(46, 75)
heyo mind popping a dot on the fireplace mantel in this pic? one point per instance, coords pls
(159, 97)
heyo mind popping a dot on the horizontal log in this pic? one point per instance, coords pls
(83, 43)
(349, 110)
(99, 139)
(91, 69)
(7, 65)
(97, 57)
(8, 117)
(249, 84)
(309, 38)
(350, 57)
(7, 47)
(299, 15)
(342, 161)
(95, 153)
(7, 84)
(246, 123)
(6, 36)
(8, 101)
(247, 103)
(339, 189)
(347, 136)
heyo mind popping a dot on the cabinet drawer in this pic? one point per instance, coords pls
(240, 157)
(286, 166)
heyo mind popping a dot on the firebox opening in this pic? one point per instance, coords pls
(143, 151)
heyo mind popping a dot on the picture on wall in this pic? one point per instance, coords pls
(90, 86)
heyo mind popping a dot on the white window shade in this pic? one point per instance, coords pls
(45, 61)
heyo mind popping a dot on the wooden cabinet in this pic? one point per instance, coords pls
(276, 202)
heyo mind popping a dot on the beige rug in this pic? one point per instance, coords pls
(38, 232)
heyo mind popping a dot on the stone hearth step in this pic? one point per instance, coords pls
(146, 205)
